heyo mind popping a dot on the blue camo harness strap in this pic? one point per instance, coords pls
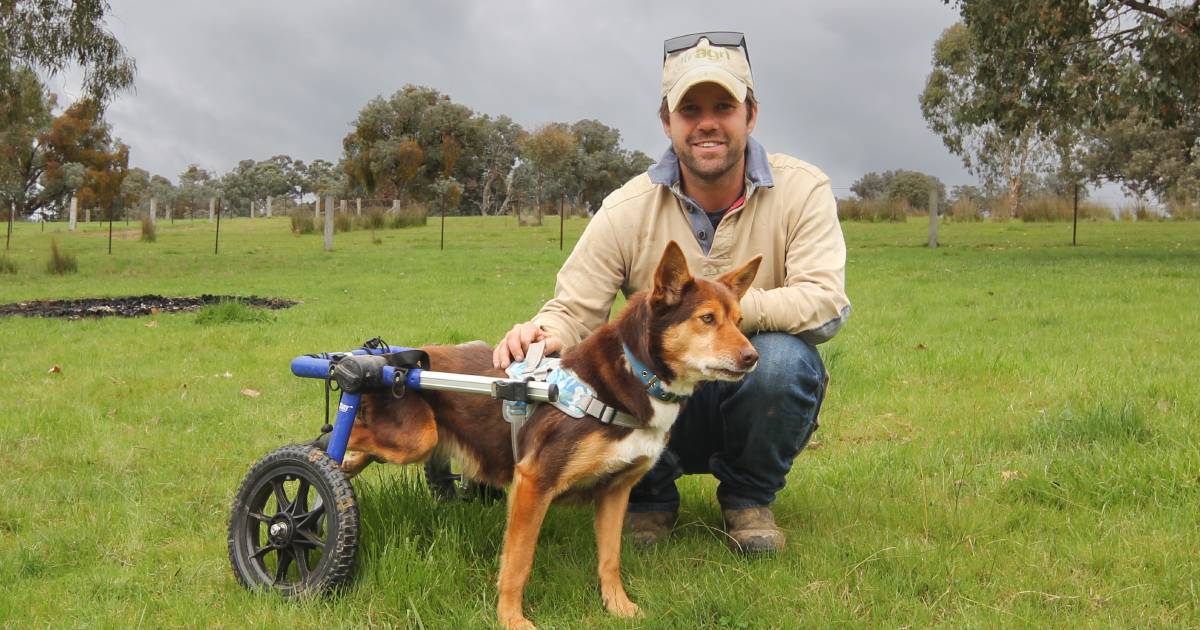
(575, 398)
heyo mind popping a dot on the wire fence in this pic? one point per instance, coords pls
(329, 215)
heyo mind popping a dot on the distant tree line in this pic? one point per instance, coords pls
(912, 189)
(417, 146)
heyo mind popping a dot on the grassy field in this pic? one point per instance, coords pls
(1009, 439)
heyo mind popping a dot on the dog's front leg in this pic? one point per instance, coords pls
(527, 507)
(354, 461)
(610, 515)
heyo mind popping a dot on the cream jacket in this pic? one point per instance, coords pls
(800, 286)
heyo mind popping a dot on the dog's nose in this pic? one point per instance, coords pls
(748, 358)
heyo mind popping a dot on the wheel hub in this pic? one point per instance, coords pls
(280, 531)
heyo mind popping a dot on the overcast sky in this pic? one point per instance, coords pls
(223, 81)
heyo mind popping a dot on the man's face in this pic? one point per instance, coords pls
(708, 131)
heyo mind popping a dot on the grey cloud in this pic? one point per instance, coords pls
(224, 81)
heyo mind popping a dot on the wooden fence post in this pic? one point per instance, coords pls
(328, 223)
(268, 206)
(933, 218)
(74, 212)
(358, 206)
(212, 208)
(153, 212)
(1075, 217)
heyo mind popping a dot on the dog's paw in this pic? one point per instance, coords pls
(517, 623)
(354, 461)
(620, 606)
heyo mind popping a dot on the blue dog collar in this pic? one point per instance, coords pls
(650, 379)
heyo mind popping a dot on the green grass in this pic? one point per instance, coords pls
(1009, 438)
(231, 311)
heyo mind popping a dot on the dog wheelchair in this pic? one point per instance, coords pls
(294, 525)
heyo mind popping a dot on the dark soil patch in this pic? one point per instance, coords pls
(131, 306)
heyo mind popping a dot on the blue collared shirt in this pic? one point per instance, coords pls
(666, 173)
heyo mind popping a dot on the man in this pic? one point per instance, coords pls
(724, 200)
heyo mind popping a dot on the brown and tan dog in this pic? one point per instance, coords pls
(685, 330)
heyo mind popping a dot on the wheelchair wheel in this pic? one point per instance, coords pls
(294, 524)
(446, 485)
(441, 481)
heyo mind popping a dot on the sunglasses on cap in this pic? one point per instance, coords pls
(727, 39)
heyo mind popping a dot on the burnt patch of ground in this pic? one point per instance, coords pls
(131, 306)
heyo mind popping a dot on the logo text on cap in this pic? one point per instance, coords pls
(706, 52)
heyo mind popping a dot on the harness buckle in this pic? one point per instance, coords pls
(516, 391)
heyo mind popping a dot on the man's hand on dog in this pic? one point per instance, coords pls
(516, 342)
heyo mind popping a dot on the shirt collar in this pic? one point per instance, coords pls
(665, 172)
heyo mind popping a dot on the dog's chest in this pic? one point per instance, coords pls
(649, 441)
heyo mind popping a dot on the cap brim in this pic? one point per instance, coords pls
(708, 74)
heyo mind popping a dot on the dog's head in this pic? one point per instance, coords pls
(694, 322)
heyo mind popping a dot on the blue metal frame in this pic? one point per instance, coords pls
(307, 366)
(318, 367)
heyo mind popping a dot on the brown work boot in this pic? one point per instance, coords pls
(647, 528)
(752, 530)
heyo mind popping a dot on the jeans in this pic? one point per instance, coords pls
(744, 433)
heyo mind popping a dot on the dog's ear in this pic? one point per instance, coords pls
(739, 280)
(671, 276)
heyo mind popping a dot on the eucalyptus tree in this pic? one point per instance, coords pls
(600, 165)
(249, 183)
(25, 114)
(501, 139)
(81, 136)
(292, 173)
(196, 187)
(1112, 86)
(997, 138)
(910, 186)
(320, 178)
(134, 187)
(52, 36)
(546, 156)
(161, 189)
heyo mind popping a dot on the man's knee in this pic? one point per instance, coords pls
(785, 361)
(782, 397)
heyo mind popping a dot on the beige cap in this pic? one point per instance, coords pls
(703, 63)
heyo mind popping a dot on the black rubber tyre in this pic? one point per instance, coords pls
(294, 524)
(442, 482)
(484, 493)
(446, 485)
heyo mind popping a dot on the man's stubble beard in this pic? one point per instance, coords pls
(710, 175)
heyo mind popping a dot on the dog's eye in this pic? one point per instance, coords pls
(707, 318)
